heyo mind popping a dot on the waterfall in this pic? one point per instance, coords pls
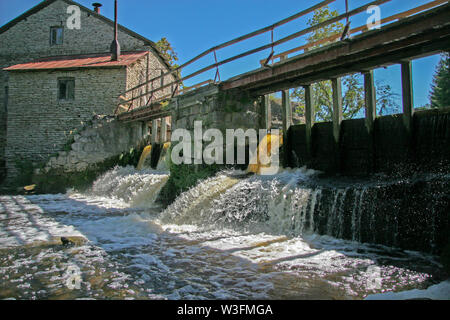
(135, 188)
(296, 202)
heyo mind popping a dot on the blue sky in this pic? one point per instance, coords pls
(193, 26)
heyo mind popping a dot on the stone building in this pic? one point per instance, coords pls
(55, 77)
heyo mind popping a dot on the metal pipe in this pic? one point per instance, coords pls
(115, 46)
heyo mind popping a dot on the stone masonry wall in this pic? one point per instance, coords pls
(102, 139)
(215, 110)
(40, 125)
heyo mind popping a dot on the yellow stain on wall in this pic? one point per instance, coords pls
(166, 146)
(145, 153)
(264, 148)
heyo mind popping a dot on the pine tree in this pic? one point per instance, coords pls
(440, 92)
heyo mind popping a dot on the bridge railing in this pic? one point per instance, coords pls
(145, 94)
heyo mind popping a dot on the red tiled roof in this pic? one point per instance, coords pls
(80, 61)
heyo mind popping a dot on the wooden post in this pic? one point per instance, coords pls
(370, 98)
(336, 84)
(337, 107)
(163, 138)
(371, 114)
(407, 93)
(286, 111)
(266, 113)
(309, 117)
(286, 108)
(154, 131)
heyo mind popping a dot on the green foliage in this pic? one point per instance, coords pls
(322, 15)
(353, 100)
(26, 169)
(183, 177)
(167, 51)
(440, 92)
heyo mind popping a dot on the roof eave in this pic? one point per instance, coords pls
(46, 3)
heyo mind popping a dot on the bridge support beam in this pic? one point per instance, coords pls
(155, 131)
(370, 98)
(337, 107)
(336, 84)
(163, 135)
(286, 111)
(309, 117)
(266, 113)
(371, 114)
(407, 94)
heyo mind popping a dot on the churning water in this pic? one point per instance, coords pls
(232, 236)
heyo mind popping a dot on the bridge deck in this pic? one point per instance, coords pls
(421, 35)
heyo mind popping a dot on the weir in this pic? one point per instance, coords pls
(403, 159)
(358, 206)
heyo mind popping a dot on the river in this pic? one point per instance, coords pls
(230, 237)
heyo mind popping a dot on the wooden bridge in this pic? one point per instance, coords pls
(420, 31)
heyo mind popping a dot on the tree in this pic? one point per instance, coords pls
(353, 97)
(440, 92)
(167, 51)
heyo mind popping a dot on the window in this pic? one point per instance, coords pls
(66, 89)
(56, 35)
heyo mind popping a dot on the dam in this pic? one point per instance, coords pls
(216, 241)
(358, 208)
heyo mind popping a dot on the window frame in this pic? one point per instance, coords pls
(68, 97)
(56, 40)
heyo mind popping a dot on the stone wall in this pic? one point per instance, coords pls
(102, 139)
(30, 39)
(40, 125)
(137, 74)
(215, 109)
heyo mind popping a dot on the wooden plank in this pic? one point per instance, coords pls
(370, 100)
(266, 113)
(309, 117)
(155, 123)
(163, 137)
(407, 94)
(337, 107)
(286, 108)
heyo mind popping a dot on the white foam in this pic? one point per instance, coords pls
(436, 292)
